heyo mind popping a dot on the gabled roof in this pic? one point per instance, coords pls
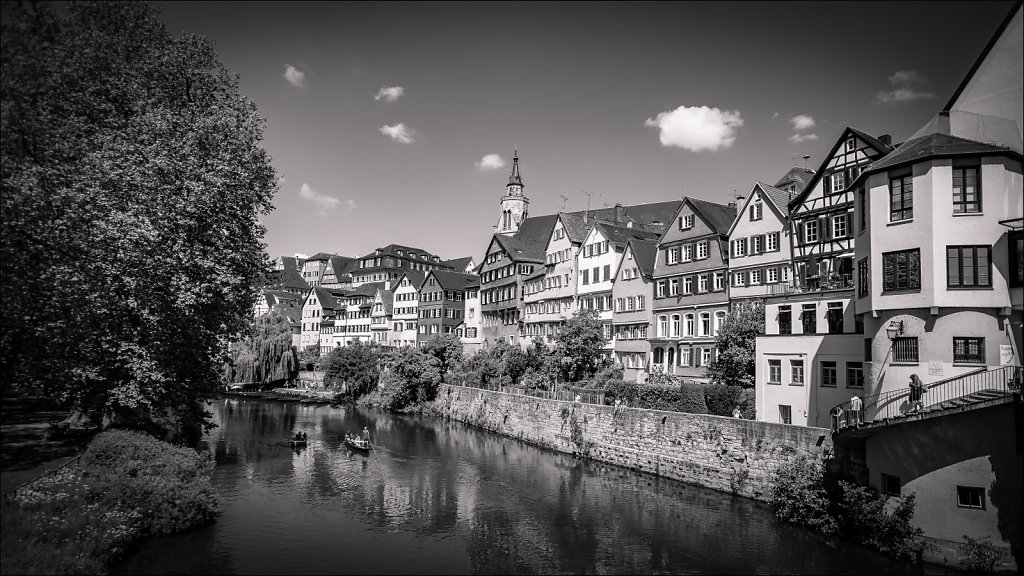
(289, 278)
(981, 58)
(319, 256)
(880, 147)
(796, 175)
(368, 289)
(454, 280)
(620, 235)
(416, 278)
(394, 249)
(523, 250)
(387, 298)
(718, 216)
(936, 146)
(328, 297)
(275, 297)
(644, 254)
(778, 200)
(458, 264)
(342, 264)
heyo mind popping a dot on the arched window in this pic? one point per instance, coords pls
(662, 326)
(719, 320)
(688, 326)
(671, 356)
(659, 355)
(705, 323)
(674, 327)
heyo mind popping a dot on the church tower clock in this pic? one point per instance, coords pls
(514, 205)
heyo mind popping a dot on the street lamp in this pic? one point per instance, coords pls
(895, 329)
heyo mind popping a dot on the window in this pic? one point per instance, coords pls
(772, 275)
(719, 281)
(739, 247)
(688, 325)
(839, 226)
(775, 371)
(705, 324)
(785, 414)
(688, 285)
(639, 302)
(834, 316)
(688, 221)
(755, 211)
(851, 144)
(966, 190)
(968, 266)
(968, 350)
(586, 276)
(702, 283)
(862, 198)
(719, 320)
(757, 244)
(1016, 259)
(970, 497)
(829, 374)
(739, 278)
(674, 332)
(607, 272)
(890, 485)
(785, 320)
(796, 372)
(863, 278)
(772, 242)
(901, 198)
(757, 277)
(854, 375)
(901, 270)
(684, 356)
(673, 287)
(705, 356)
(808, 318)
(672, 255)
(810, 231)
(904, 349)
(702, 250)
(660, 289)
(838, 182)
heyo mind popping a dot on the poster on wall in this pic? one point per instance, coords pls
(935, 368)
(1005, 355)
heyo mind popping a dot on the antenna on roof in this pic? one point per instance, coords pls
(806, 158)
(564, 200)
(586, 214)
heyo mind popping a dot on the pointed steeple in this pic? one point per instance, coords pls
(513, 178)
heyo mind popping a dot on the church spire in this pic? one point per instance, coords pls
(515, 205)
(513, 178)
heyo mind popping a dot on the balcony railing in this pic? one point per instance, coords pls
(956, 391)
(835, 282)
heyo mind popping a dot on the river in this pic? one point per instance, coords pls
(439, 496)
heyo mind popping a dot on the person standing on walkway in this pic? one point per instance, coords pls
(916, 393)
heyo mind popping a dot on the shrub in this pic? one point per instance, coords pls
(535, 380)
(798, 496)
(862, 517)
(692, 398)
(980, 555)
(722, 399)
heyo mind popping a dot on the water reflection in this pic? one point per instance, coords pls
(438, 496)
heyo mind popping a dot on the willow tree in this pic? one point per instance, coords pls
(133, 178)
(267, 354)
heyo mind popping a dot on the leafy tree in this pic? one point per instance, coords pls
(355, 366)
(447, 348)
(267, 355)
(578, 345)
(418, 370)
(735, 363)
(691, 398)
(310, 357)
(133, 180)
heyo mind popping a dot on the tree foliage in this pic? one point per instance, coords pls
(267, 354)
(132, 183)
(578, 345)
(735, 363)
(309, 358)
(447, 349)
(354, 368)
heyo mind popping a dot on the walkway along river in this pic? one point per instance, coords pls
(440, 496)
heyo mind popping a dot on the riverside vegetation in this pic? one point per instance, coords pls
(126, 486)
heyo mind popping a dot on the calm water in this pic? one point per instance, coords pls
(442, 497)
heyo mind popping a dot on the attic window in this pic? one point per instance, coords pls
(851, 144)
(401, 253)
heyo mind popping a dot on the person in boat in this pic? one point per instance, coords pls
(366, 434)
(298, 436)
(304, 437)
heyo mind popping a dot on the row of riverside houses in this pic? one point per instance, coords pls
(923, 238)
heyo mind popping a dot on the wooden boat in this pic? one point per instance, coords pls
(298, 443)
(357, 443)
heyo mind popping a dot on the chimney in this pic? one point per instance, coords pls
(885, 139)
(620, 213)
(733, 206)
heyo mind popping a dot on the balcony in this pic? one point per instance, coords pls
(812, 284)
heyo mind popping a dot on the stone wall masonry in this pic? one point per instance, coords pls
(727, 454)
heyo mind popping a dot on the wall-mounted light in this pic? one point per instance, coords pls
(895, 329)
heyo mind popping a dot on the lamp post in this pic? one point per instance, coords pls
(894, 330)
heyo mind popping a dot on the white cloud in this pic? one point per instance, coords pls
(797, 138)
(399, 133)
(325, 202)
(774, 116)
(294, 76)
(389, 93)
(904, 84)
(697, 128)
(801, 122)
(490, 162)
(350, 204)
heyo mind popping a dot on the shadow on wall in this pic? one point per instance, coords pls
(919, 449)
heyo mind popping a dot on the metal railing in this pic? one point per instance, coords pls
(948, 393)
(562, 393)
(834, 282)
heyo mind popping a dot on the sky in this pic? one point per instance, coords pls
(396, 123)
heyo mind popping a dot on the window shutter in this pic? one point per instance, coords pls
(764, 243)
(800, 232)
(825, 228)
(745, 247)
(849, 223)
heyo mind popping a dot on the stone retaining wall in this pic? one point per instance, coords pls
(727, 454)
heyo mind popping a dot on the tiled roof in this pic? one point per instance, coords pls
(797, 175)
(454, 280)
(393, 249)
(328, 297)
(289, 278)
(319, 256)
(416, 278)
(387, 298)
(935, 145)
(343, 264)
(275, 297)
(620, 235)
(718, 216)
(644, 254)
(778, 197)
(458, 264)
